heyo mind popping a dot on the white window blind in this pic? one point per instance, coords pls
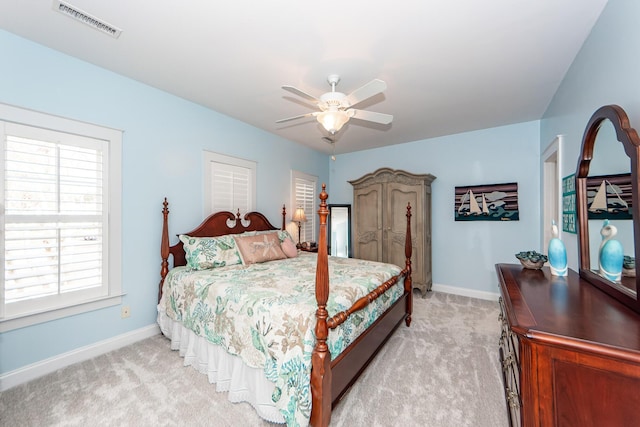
(55, 223)
(229, 184)
(304, 195)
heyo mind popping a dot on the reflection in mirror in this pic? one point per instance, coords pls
(340, 231)
(607, 187)
(609, 198)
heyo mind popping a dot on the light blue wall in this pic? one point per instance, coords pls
(162, 131)
(162, 156)
(464, 253)
(605, 71)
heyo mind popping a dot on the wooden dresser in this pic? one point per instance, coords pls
(380, 205)
(570, 353)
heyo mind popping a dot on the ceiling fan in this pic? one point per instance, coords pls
(336, 107)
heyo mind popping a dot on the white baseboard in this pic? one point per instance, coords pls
(471, 293)
(52, 364)
(47, 366)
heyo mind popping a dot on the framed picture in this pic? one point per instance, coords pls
(609, 196)
(496, 202)
(569, 216)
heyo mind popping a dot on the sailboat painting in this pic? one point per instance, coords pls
(496, 202)
(609, 197)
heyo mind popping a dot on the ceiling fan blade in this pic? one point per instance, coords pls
(296, 117)
(372, 88)
(371, 116)
(298, 92)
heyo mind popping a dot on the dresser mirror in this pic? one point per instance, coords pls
(607, 187)
(340, 231)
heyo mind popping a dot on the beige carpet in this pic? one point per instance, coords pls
(442, 371)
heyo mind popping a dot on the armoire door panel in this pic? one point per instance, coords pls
(369, 251)
(368, 224)
(399, 195)
(395, 254)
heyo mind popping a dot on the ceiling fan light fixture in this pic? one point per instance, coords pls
(335, 107)
(333, 121)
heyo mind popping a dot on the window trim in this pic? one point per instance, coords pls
(26, 117)
(207, 158)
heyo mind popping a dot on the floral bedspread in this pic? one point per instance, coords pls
(265, 314)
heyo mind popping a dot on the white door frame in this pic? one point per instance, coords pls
(551, 190)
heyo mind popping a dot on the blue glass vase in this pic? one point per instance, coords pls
(557, 253)
(611, 253)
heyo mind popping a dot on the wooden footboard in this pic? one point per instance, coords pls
(331, 380)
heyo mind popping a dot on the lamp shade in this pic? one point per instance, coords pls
(299, 215)
(333, 121)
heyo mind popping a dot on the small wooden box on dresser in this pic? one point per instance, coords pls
(570, 353)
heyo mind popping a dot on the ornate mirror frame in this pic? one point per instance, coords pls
(631, 142)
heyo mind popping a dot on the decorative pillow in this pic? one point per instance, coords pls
(289, 248)
(282, 234)
(203, 253)
(259, 248)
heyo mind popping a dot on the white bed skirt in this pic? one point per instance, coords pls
(228, 372)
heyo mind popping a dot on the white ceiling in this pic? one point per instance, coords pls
(450, 66)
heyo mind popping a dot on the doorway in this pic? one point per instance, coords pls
(551, 190)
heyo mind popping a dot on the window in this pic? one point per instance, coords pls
(61, 217)
(304, 195)
(229, 184)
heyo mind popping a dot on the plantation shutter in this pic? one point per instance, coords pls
(231, 186)
(55, 218)
(305, 197)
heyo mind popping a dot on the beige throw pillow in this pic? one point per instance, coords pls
(289, 248)
(260, 248)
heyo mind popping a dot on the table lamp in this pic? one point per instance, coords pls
(299, 217)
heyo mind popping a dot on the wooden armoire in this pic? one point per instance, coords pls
(379, 220)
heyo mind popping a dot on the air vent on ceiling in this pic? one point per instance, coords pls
(85, 18)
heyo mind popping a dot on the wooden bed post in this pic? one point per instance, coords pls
(284, 218)
(408, 249)
(164, 246)
(321, 357)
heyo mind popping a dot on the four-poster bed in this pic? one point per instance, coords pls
(380, 308)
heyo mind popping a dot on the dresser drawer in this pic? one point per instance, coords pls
(510, 364)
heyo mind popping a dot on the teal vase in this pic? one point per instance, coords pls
(557, 253)
(611, 253)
